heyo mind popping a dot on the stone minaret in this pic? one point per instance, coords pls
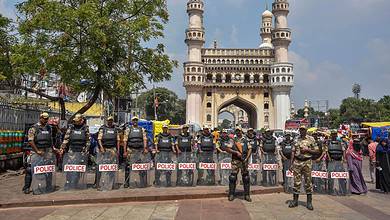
(282, 76)
(194, 74)
(266, 30)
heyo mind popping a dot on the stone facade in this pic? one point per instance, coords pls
(257, 80)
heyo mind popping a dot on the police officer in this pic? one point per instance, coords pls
(336, 155)
(255, 156)
(184, 143)
(241, 152)
(223, 141)
(134, 140)
(222, 144)
(268, 149)
(206, 147)
(301, 165)
(285, 153)
(76, 140)
(164, 146)
(40, 139)
(108, 140)
(319, 184)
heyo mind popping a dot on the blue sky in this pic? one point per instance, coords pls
(335, 42)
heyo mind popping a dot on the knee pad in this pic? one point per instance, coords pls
(233, 177)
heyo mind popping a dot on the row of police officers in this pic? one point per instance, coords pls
(240, 151)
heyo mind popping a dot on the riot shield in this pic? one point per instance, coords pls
(254, 169)
(224, 168)
(139, 164)
(338, 182)
(165, 172)
(43, 169)
(270, 168)
(74, 168)
(206, 168)
(319, 177)
(186, 167)
(108, 167)
(288, 177)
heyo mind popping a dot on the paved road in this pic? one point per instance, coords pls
(271, 206)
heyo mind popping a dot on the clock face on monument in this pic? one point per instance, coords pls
(237, 77)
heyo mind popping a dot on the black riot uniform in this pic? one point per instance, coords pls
(335, 150)
(206, 155)
(224, 142)
(335, 164)
(206, 143)
(184, 144)
(76, 138)
(109, 138)
(254, 143)
(43, 138)
(135, 139)
(269, 148)
(164, 145)
(135, 142)
(286, 150)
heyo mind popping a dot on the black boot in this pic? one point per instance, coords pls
(246, 181)
(232, 186)
(127, 177)
(96, 185)
(294, 203)
(27, 180)
(309, 204)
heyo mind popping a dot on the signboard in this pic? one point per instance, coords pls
(270, 167)
(166, 166)
(187, 166)
(207, 166)
(108, 167)
(75, 168)
(44, 169)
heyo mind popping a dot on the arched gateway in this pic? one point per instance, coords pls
(256, 80)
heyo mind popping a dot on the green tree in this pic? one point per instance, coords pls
(333, 118)
(358, 110)
(384, 108)
(169, 105)
(101, 42)
(6, 42)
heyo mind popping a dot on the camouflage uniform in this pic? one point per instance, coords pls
(302, 164)
(241, 145)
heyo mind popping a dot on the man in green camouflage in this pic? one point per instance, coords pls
(301, 162)
(241, 151)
